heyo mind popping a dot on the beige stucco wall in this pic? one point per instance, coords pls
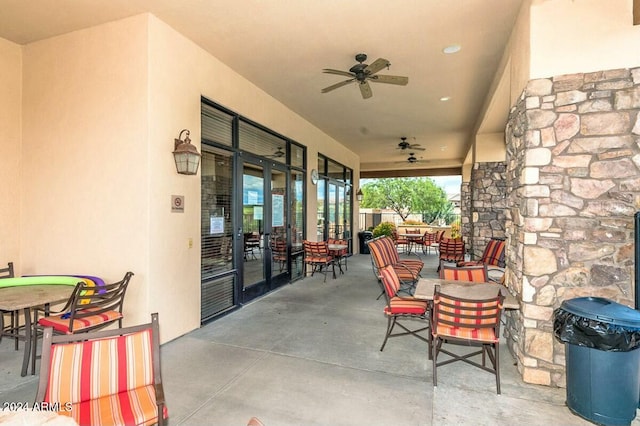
(179, 73)
(10, 146)
(569, 36)
(101, 108)
(85, 207)
(557, 37)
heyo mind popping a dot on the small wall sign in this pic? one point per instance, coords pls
(177, 203)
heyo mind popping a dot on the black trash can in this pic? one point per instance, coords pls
(602, 348)
(363, 237)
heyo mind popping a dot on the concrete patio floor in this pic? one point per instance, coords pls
(308, 354)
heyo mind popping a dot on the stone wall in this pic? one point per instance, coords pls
(465, 211)
(488, 202)
(573, 183)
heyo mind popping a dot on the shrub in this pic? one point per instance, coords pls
(384, 228)
(455, 229)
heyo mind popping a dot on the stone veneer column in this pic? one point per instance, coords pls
(465, 210)
(573, 182)
(488, 202)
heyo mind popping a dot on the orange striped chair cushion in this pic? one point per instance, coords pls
(483, 334)
(61, 325)
(493, 255)
(399, 305)
(136, 406)
(476, 274)
(318, 259)
(113, 383)
(384, 253)
(390, 280)
(467, 316)
(406, 275)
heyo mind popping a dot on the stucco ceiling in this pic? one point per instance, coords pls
(282, 47)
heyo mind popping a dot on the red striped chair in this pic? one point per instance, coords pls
(89, 308)
(476, 274)
(384, 253)
(317, 255)
(492, 258)
(439, 237)
(108, 377)
(451, 250)
(340, 256)
(11, 329)
(399, 308)
(466, 322)
(428, 240)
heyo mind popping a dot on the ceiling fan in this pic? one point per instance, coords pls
(406, 145)
(412, 159)
(363, 74)
(279, 153)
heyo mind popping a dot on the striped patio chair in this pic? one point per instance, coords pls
(89, 308)
(476, 273)
(492, 258)
(466, 322)
(316, 255)
(427, 241)
(451, 250)
(339, 255)
(402, 308)
(108, 377)
(14, 316)
(384, 253)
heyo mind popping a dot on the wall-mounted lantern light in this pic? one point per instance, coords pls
(186, 155)
(359, 195)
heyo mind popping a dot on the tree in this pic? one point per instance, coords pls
(408, 195)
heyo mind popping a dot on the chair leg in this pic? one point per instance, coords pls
(391, 322)
(15, 326)
(497, 365)
(434, 355)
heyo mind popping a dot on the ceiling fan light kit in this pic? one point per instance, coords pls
(406, 145)
(363, 74)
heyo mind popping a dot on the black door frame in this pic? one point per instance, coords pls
(270, 281)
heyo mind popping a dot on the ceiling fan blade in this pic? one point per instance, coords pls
(365, 89)
(390, 79)
(376, 66)
(417, 148)
(337, 72)
(337, 85)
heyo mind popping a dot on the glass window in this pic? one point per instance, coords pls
(321, 217)
(216, 226)
(335, 171)
(265, 144)
(297, 210)
(297, 156)
(216, 125)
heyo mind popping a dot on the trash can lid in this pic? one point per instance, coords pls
(604, 310)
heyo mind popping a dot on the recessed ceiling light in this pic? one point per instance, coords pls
(445, 98)
(454, 48)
